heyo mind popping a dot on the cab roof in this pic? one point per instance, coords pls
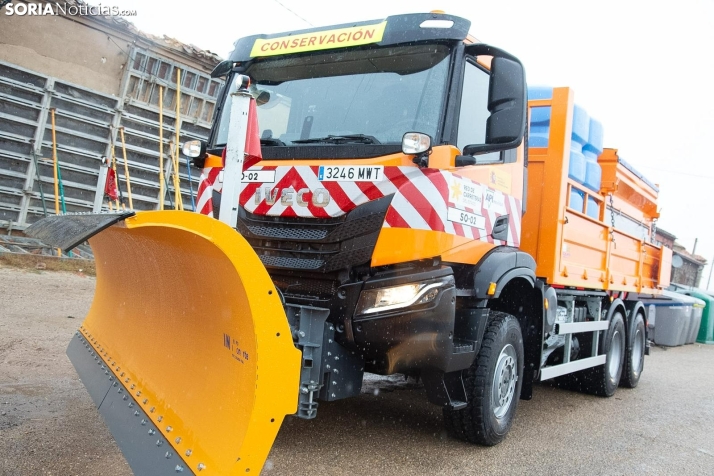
(393, 30)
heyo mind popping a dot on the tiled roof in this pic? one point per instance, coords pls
(163, 41)
(682, 251)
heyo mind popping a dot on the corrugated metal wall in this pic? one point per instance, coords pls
(87, 127)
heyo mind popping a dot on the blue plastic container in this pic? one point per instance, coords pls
(576, 168)
(540, 127)
(540, 117)
(577, 199)
(593, 210)
(581, 128)
(593, 175)
(591, 150)
(593, 147)
(540, 92)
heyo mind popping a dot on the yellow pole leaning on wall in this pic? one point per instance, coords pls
(178, 205)
(54, 162)
(54, 168)
(116, 175)
(161, 148)
(126, 169)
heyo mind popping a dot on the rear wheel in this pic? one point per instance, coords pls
(635, 355)
(604, 379)
(493, 385)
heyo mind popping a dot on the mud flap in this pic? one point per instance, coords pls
(186, 349)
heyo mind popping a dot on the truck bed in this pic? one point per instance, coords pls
(608, 248)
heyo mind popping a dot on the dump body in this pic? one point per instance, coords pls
(609, 249)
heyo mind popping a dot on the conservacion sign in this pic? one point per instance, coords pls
(319, 40)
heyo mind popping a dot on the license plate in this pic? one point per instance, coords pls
(466, 218)
(262, 176)
(350, 173)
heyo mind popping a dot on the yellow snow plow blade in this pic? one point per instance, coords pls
(188, 334)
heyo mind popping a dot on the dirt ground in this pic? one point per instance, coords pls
(48, 423)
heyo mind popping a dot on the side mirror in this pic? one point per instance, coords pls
(222, 69)
(506, 125)
(507, 102)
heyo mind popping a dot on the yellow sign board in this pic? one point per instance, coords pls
(319, 40)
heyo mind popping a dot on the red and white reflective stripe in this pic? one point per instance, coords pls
(204, 205)
(422, 199)
(344, 196)
(423, 202)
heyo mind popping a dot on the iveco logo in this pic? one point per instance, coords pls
(288, 197)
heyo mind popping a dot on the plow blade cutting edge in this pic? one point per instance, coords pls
(186, 349)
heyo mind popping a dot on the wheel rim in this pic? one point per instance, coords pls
(504, 381)
(638, 350)
(615, 354)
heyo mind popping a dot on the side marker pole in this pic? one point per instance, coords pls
(235, 152)
(178, 205)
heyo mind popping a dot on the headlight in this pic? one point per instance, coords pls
(396, 297)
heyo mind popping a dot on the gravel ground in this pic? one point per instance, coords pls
(48, 423)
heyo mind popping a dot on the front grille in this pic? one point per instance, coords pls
(305, 286)
(357, 226)
(291, 262)
(287, 232)
(315, 244)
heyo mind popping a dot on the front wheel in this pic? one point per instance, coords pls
(493, 385)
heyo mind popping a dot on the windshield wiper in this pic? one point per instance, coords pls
(347, 138)
(270, 141)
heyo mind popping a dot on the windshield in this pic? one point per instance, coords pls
(368, 96)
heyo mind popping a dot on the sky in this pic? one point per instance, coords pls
(644, 69)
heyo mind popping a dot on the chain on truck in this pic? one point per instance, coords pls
(399, 222)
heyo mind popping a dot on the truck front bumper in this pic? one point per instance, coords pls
(430, 336)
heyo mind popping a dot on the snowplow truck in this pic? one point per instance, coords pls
(399, 222)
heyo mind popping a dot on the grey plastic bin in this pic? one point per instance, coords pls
(697, 310)
(671, 321)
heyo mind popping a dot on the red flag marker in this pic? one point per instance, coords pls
(253, 154)
(252, 140)
(110, 186)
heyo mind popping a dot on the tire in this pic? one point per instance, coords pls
(604, 379)
(635, 354)
(493, 385)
